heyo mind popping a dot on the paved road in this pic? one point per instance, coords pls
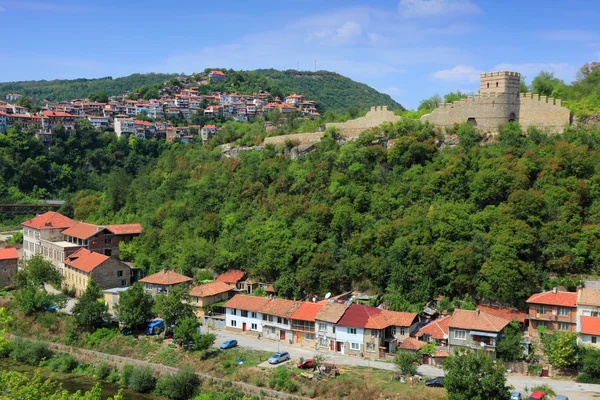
(70, 301)
(574, 390)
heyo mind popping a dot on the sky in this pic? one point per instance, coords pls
(409, 49)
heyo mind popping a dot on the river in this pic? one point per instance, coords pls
(75, 382)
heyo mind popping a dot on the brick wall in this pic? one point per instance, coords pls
(8, 269)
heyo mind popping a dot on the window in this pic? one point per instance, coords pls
(594, 339)
(352, 331)
(264, 317)
(279, 320)
(322, 341)
(309, 336)
(233, 322)
(270, 318)
(119, 273)
(355, 346)
(233, 311)
(244, 313)
(462, 335)
(563, 326)
(540, 309)
(563, 311)
(254, 327)
(253, 315)
(322, 327)
(371, 347)
(488, 85)
(496, 84)
(374, 333)
(393, 330)
(402, 331)
(123, 282)
(334, 329)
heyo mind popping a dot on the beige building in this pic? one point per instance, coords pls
(84, 265)
(499, 102)
(111, 297)
(164, 281)
(210, 293)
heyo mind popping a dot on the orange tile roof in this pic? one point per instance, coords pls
(85, 260)
(477, 320)
(166, 277)
(397, 318)
(590, 325)
(565, 299)
(209, 127)
(56, 114)
(280, 307)
(82, 230)
(506, 313)
(331, 312)
(270, 289)
(412, 344)
(49, 220)
(441, 353)
(232, 276)
(210, 289)
(125, 229)
(589, 297)
(307, 312)
(437, 329)
(248, 303)
(10, 253)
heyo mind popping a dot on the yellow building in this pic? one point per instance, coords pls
(105, 271)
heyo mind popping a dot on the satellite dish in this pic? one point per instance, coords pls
(328, 295)
(445, 336)
(482, 344)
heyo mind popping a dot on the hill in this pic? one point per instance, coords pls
(68, 89)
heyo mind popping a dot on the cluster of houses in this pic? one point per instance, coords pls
(123, 115)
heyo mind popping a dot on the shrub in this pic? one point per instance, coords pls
(534, 369)
(280, 380)
(548, 391)
(29, 352)
(71, 336)
(142, 380)
(100, 336)
(179, 386)
(61, 363)
(406, 362)
(126, 374)
(587, 378)
(102, 370)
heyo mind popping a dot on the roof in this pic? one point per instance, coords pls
(215, 72)
(477, 320)
(210, 289)
(358, 316)
(82, 230)
(412, 344)
(85, 260)
(116, 290)
(49, 220)
(56, 114)
(565, 299)
(209, 127)
(232, 276)
(506, 313)
(396, 318)
(589, 297)
(590, 325)
(270, 289)
(248, 303)
(307, 312)
(166, 277)
(331, 312)
(437, 329)
(10, 253)
(280, 307)
(125, 229)
(441, 353)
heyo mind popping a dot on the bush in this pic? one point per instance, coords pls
(280, 380)
(587, 378)
(100, 336)
(61, 363)
(71, 336)
(142, 380)
(406, 362)
(548, 391)
(534, 369)
(126, 374)
(179, 386)
(103, 370)
(29, 352)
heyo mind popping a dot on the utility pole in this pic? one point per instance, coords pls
(315, 65)
(297, 65)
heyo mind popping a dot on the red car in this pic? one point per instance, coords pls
(306, 364)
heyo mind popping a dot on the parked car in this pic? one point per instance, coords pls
(560, 397)
(515, 395)
(228, 344)
(537, 396)
(126, 331)
(435, 382)
(50, 308)
(309, 363)
(279, 357)
(155, 327)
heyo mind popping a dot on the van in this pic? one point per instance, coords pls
(155, 327)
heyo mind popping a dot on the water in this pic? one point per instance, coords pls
(75, 382)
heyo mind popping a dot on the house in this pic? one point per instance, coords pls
(506, 313)
(294, 99)
(111, 297)
(231, 277)
(589, 330)
(216, 76)
(207, 132)
(412, 344)
(98, 122)
(325, 324)
(124, 126)
(555, 309)
(9, 264)
(101, 239)
(475, 330)
(243, 313)
(588, 323)
(57, 252)
(303, 323)
(52, 119)
(84, 265)
(276, 319)
(436, 331)
(47, 226)
(210, 293)
(164, 281)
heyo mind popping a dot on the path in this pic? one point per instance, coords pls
(70, 301)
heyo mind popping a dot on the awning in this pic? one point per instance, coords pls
(478, 333)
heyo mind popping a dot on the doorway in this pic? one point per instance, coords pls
(243, 327)
(281, 334)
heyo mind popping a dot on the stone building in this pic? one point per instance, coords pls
(9, 264)
(84, 265)
(499, 102)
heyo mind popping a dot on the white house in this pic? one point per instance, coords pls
(325, 326)
(276, 319)
(588, 316)
(243, 313)
(47, 226)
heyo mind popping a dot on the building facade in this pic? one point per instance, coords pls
(84, 266)
(555, 310)
(47, 226)
(9, 264)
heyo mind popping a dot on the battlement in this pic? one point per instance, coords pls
(499, 74)
(542, 99)
(379, 108)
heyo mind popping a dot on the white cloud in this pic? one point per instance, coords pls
(571, 36)
(349, 30)
(460, 73)
(437, 8)
(562, 71)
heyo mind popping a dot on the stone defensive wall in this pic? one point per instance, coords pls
(300, 138)
(488, 110)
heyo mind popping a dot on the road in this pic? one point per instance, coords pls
(573, 390)
(70, 301)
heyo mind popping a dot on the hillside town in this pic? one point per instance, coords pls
(152, 118)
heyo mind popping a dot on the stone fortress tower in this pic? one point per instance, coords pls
(499, 102)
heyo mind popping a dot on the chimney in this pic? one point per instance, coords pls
(554, 290)
(164, 271)
(477, 311)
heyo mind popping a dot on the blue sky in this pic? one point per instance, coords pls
(409, 49)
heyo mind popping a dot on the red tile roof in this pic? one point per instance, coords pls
(166, 277)
(209, 127)
(307, 312)
(49, 220)
(9, 253)
(477, 320)
(217, 73)
(233, 276)
(248, 303)
(280, 307)
(412, 344)
(506, 313)
(270, 289)
(358, 316)
(85, 260)
(210, 289)
(125, 229)
(441, 353)
(82, 230)
(437, 329)
(590, 325)
(56, 114)
(396, 318)
(564, 299)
